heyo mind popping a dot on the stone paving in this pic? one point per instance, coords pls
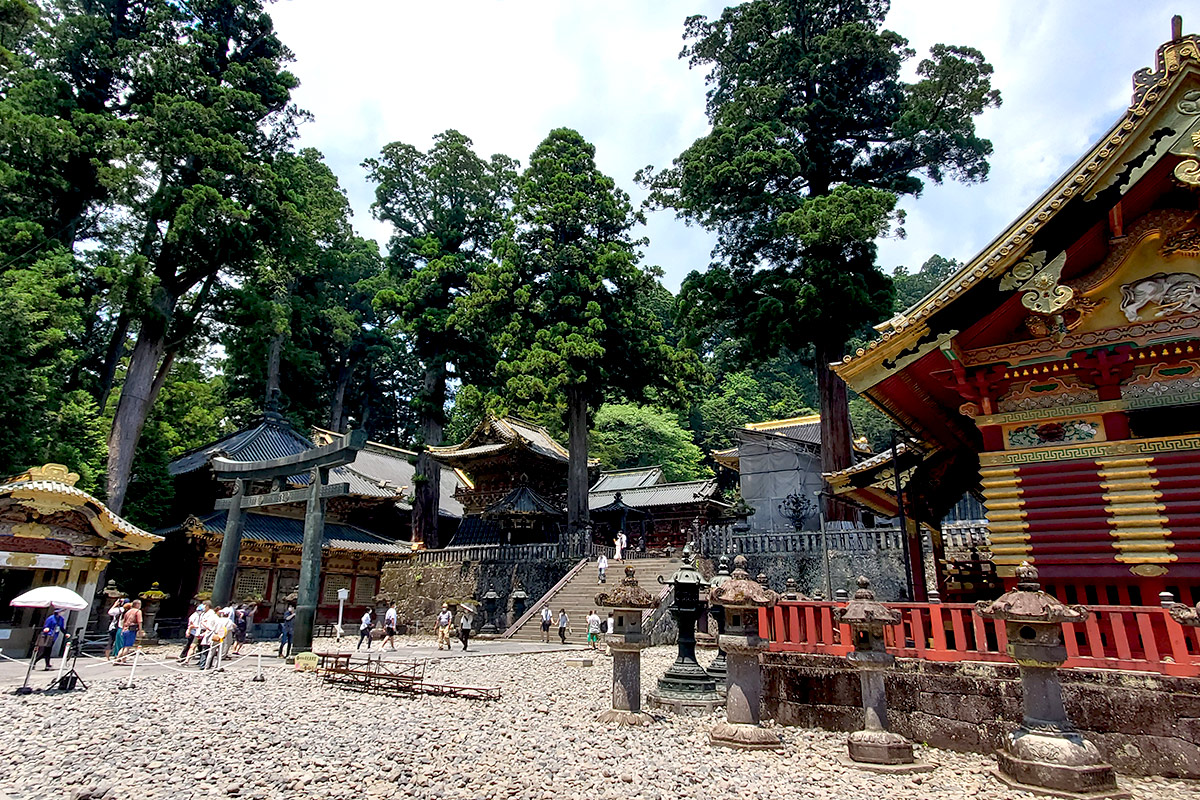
(193, 735)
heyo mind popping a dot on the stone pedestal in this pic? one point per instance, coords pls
(743, 698)
(1045, 754)
(626, 642)
(741, 599)
(627, 683)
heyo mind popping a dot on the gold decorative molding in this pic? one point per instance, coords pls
(32, 530)
(1038, 283)
(53, 472)
(1052, 413)
(1148, 570)
(1139, 529)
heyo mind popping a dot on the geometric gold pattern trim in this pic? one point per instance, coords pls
(1008, 531)
(1098, 450)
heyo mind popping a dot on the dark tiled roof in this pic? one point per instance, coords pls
(268, 438)
(477, 530)
(494, 434)
(622, 479)
(523, 500)
(285, 530)
(663, 494)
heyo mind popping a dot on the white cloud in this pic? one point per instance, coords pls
(506, 73)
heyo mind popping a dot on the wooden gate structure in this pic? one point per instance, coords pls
(243, 474)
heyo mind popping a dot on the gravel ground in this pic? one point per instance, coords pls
(221, 735)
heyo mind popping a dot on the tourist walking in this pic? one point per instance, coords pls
(221, 635)
(209, 622)
(593, 628)
(563, 623)
(286, 629)
(54, 624)
(547, 618)
(389, 627)
(601, 566)
(443, 627)
(465, 622)
(619, 550)
(131, 625)
(241, 621)
(193, 631)
(114, 628)
(364, 630)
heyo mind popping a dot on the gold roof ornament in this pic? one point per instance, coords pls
(58, 473)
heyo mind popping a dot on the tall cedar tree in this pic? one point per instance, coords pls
(566, 300)
(448, 206)
(209, 110)
(814, 135)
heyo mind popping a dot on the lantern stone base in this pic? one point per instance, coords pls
(743, 737)
(1056, 765)
(912, 768)
(697, 705)
(879, 747)
(616, 716)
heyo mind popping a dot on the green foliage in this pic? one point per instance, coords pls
(776, 389)
(912, 287)
(871, 423)
(814, 135)
(626, 435)
(565, 298)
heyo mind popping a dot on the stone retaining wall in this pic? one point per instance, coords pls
(1144, 724)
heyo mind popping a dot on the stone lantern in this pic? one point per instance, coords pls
(519, 600)
(1045, 750)
(685, 688)
(151, 602)
(741, 598)
(874, 745)
(490, 602)
(718, 669)
(626, 642)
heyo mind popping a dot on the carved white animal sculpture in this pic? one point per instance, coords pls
(1176, 293)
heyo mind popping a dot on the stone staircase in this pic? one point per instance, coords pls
(578, 597)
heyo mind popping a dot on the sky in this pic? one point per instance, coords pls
(507, 72)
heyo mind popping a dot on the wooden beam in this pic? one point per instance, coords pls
(338, 452)
(281, 498)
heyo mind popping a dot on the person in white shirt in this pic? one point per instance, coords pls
(547, 618)
(364, 630)
(193, 631)
(443, 627)
(466, 621)
(620, 548)
(601, 566)
(389, 627)
(208, 626)
(114, 628)
(222, 634)
(593, 623)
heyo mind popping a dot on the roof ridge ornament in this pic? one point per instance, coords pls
(1041, 291)
(56, 473)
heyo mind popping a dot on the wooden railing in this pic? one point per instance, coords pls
(1141, 638)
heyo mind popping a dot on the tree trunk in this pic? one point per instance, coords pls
(337, 406)
(427, 501)
(113, 356)
(577, 474)
(274, 356)
(837, 451)
(143, 380)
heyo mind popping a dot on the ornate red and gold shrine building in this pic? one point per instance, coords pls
(1058, 372)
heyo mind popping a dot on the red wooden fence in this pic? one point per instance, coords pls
(1143, 638)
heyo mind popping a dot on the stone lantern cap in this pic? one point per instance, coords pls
(154, 593)
(1028, 603)
(627, 594)
(864, 610)
(739, 591)
(491, 593)
(687, 572)
(111, 590)
(722, 573)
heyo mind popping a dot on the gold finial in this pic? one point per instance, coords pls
(57, 473)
